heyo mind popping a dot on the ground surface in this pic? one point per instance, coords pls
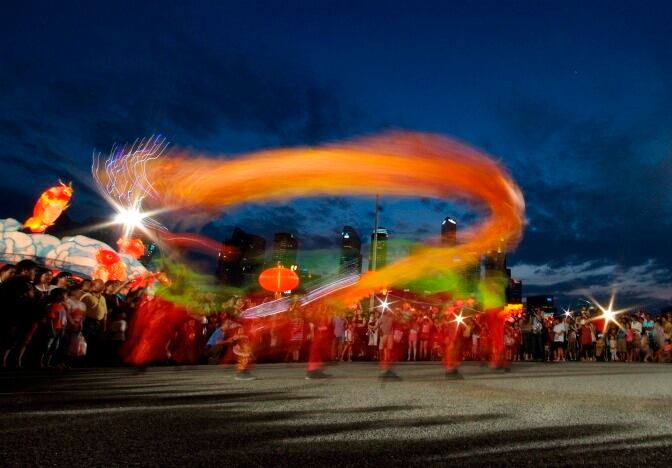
(539, 414)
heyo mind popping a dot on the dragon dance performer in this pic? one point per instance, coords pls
(452, 356)
(495, 319)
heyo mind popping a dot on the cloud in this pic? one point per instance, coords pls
(644, 283)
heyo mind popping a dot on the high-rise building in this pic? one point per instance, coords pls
(379, 239)
(241, 258)
(515, 292)
(351, 251)
(449, 232)
(543, 302)
(495, 264)
(285, 247)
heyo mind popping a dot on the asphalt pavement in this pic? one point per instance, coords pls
(568, 414)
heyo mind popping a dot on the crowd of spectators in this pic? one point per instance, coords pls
(57, 321)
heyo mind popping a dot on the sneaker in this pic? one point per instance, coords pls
(244, 376)
(316, 375)
(389, 375)
(454, 374)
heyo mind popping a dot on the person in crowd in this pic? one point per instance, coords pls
(621, 342)
(221, 338)
(629, 340)
(659, 335)
(20, 312)
(600, 348)
(360, 340)
(475, 339)
(62, 280)
(6, 272)
(559, 330)
(613, 346)
(572, 342)
(646, 351)
(636, 325)
(75, 315)
(55, 323)
(116, 336)
(349, 340)
(538, 332)
(338, 324)
(43, 284)
(665, 353)
(637, 338)
(94, 321)
(413, 332)
(373, 332)
(667, 327)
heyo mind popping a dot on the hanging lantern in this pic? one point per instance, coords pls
(278, 279)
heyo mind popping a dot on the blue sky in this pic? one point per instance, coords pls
(572, 97)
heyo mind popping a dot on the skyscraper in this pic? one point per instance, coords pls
(241, 258)
(285, 247)
(449, 232)
(495, 264)
(381, 249)
(351, 251)
(515, 292)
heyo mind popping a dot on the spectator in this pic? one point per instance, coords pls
(43, 284)
(373, 330)
(94, 322)
(349, 342)
(6, 272)
(55, 324)
(338, 324)
(76, 312)
(613, 346)
(413, 341)
(537, 327)
(559, 330)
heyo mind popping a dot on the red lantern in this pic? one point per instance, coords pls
(278, 279)
(133, 247)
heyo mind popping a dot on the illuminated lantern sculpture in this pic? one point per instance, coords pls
(107, 257)
(133, 247)
(278, 279)
(49, 207)
(110, 266)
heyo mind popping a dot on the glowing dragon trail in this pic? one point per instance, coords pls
(122, 179)
(400, 164)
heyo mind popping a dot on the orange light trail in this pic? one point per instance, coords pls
(399, 164)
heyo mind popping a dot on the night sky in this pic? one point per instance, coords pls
(574, 98)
